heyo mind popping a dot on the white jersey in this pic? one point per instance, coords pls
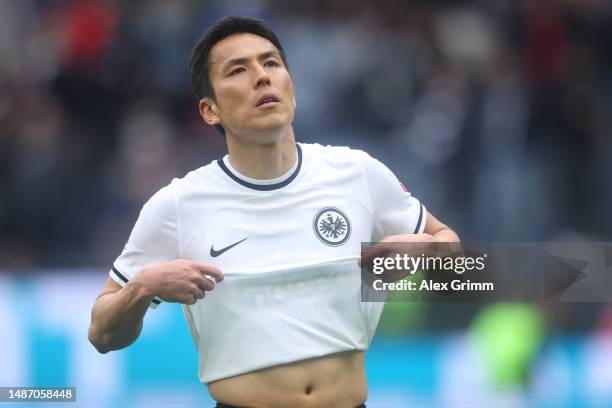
(288, 248)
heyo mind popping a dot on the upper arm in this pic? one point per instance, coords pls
(440, 230)
(433, 225)
(154, 239)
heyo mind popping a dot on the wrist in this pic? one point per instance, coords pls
(142, 286)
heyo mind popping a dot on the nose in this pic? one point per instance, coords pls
(262, 77)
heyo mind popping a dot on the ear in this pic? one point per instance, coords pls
(293, 94)
(208, 111)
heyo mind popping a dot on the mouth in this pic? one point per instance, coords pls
(267, 101)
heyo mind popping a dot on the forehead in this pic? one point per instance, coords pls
(243, 45)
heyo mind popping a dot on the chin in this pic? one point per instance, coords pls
(268, 137)
(273, 128)
(262, 135)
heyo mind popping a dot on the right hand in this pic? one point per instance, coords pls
(180, 280)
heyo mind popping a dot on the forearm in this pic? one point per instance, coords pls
(116, 318)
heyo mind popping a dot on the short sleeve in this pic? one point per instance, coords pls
(394, 209)
(153, 239)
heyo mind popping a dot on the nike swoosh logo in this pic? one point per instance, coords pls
(215, 254)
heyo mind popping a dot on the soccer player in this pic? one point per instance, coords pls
(275, 228)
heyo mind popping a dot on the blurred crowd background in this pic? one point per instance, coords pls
(497, 114)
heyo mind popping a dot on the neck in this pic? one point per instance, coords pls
(262, 161)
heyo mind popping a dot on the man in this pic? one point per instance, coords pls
(275, 228)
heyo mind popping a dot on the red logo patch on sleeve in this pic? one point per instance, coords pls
(403, 187)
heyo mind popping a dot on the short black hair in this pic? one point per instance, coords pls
(230, 25)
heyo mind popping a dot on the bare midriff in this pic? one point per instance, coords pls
(337, 380)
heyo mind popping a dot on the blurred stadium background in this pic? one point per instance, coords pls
(495, 113)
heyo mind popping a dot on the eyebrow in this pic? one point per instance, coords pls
(244, 60)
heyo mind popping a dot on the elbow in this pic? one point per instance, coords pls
(101, 349)
(97, 341)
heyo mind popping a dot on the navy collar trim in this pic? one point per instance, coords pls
(265, 187)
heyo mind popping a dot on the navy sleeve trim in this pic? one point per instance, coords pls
(123, 278)
(418, 226)
(120, 275)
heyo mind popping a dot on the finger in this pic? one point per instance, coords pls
(369, 254)
(410, 247)
(189, 299)
(210, 271)
(393, 238)
(197, 292)
(203, 283)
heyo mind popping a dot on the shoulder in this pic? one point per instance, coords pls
(359, 161)
(195, 180)
(166, 198)
(339, 155)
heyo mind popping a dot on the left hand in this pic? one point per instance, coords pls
(388, 246)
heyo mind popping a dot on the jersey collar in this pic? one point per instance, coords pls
(263, 185)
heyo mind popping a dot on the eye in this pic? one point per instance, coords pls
(236, 71)
(272, 63)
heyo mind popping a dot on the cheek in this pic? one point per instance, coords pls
(288, 85)
(291, 93)
(230, 100)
